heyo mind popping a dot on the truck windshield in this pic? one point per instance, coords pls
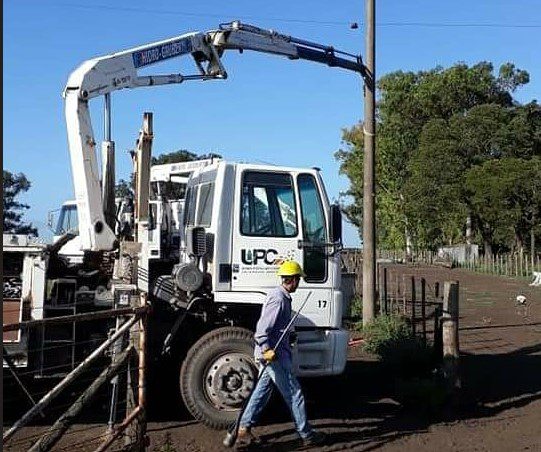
(67, 220)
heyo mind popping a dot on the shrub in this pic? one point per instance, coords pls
(391, 338)
(357, 307)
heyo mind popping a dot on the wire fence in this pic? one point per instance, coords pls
(514, 265)
(103, 389)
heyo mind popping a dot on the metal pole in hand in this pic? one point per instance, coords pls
(231, 437)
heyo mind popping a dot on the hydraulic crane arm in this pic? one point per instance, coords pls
(103, 75)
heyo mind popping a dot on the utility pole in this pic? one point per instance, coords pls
(369, 187)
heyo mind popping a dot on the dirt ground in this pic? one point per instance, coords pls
(499, 408)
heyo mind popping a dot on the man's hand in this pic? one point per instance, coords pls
(269, 355)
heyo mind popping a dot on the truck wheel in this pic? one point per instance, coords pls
(217, 376)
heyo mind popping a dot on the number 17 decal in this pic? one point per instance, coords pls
(321, 303)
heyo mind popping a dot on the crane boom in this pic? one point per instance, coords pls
(103, 75)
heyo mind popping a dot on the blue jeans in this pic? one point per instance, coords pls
(289, 388)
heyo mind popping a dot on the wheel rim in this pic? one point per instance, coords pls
(229, 380)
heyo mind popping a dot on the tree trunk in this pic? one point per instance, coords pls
(519, 243)
(469, 232)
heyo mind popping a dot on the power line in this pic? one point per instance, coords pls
(302, 21)
(191, 14)
(461, 25)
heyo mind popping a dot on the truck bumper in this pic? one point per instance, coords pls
(320, 352)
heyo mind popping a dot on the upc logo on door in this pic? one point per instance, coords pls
(255, 256)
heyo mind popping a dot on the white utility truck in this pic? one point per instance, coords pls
(239, 222)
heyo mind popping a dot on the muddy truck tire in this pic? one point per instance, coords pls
(217, 376)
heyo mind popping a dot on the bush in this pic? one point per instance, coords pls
(357, 307)
(391, 338)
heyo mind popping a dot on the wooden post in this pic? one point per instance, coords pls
(142, 393)
(438, 342)
(385, 297)
(423, 308)
(136, 387)
(413, 327)
(436, 290)
(404, 296)
(142, 173)
(451, 350)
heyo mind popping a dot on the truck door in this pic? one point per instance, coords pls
(268, 229)
(314, 257)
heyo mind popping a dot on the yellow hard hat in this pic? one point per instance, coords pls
(290, 268)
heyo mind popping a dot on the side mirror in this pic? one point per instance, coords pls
(336, 224)
(197, 241)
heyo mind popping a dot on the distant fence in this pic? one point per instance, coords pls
(517, 265)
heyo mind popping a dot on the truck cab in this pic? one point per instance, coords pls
(255, 217)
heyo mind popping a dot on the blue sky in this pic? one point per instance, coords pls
(269, 110)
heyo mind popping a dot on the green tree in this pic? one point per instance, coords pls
(505, 195)
(182, 155)
(124, 188)
(408, 103)
(14, 185)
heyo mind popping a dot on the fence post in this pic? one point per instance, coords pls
(142, 393)
(413, 304)
(404, 294)
(384, 292)
(451, 350)
(135, 435)
(436, 290)
(397, 293)
(423, 308)
(438, 341)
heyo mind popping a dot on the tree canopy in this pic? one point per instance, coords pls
(125, 188)
(14, 185)
(441, 136)
(182, 155)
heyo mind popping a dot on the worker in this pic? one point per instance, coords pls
(275, 316)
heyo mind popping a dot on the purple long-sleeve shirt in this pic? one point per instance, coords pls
(275, 315)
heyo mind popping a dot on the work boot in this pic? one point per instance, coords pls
(245, 436)
(315, 439)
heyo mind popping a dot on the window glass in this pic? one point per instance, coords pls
(191, 196)
(67, 221)
(314, 228)
(268, 205)
(313, 218)
(204, 209)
